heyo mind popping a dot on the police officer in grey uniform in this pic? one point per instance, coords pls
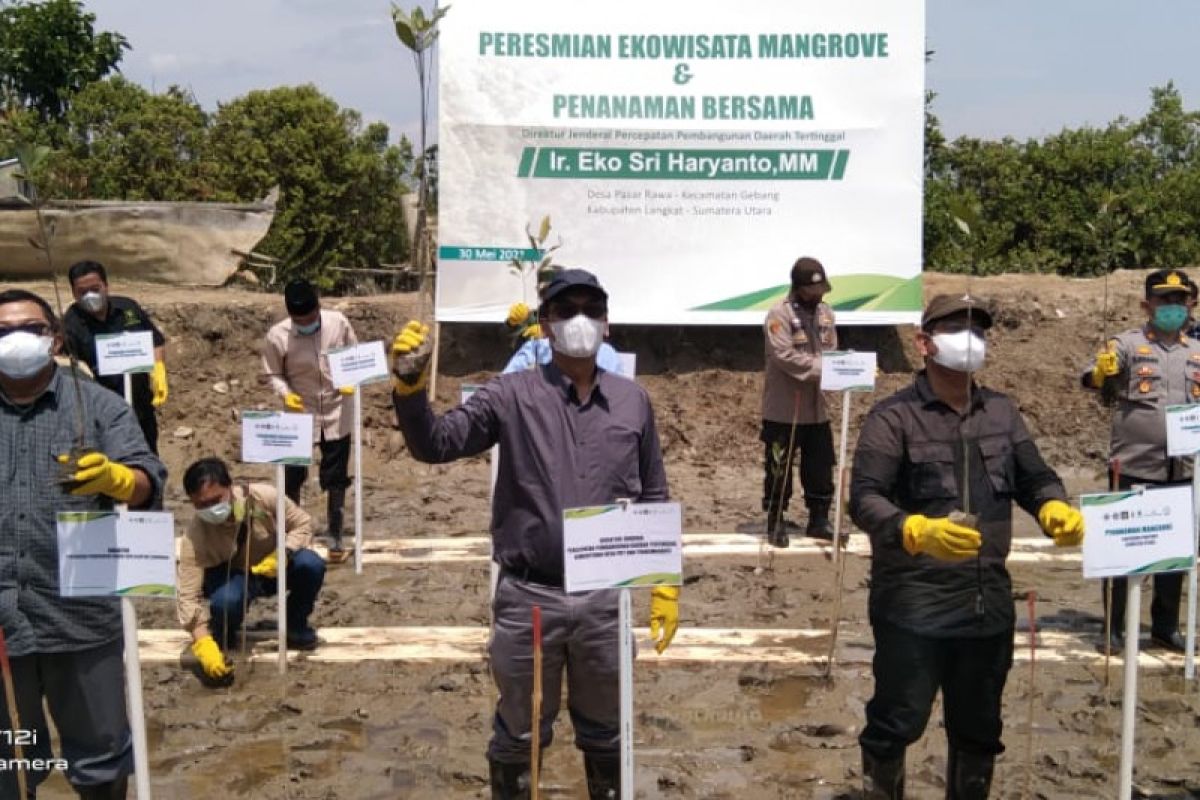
(794, 420)
(1144, 370)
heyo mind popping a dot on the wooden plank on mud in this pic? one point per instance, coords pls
(783, 646)
(418, 550)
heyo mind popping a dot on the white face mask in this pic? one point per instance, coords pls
(215, 514)
(24, 354)
(93, 302)
(961, 352)
(578, 337)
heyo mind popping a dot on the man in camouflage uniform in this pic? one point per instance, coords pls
(1144, 370)
(797, 331)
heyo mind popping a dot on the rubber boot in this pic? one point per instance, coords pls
(968, 775)
(603, 776)
(777, 535)
(509, 781)
(882, 780)
(819, 526)
(335, 515)
(114, 790)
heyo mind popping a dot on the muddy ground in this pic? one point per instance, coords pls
(385, 730)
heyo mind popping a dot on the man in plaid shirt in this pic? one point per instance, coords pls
(65, 445)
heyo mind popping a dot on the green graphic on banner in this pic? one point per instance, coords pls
(681, 164)
(858, 292)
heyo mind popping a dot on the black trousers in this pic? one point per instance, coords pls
(910, 669)
(85, 693)
(1168, 586)
(333, 472)
(148, 421)
(813, 445)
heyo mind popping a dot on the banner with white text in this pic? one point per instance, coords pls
(687, 153)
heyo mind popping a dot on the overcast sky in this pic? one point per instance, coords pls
(1024, 68)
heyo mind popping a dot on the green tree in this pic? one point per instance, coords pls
(49, 51)
(1079, 202)
(340, 184)
(119, 141)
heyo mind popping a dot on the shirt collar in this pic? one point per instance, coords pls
(564, 384)
(1154, 337)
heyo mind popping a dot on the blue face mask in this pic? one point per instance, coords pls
(1170, 318)
(309, 329)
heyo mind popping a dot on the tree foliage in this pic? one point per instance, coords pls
(340, 183)
(120, 141)
(49, 51)
(1079, 202)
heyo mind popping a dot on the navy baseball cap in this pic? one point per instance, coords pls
(572, 279)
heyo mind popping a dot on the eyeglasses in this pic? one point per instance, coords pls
(565, 309)
(36, 328)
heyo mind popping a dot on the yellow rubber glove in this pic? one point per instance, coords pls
(411, 352)
(1106, 367)
(533, 331)
(346, 390)
(940, 538)
(211, 660)
(268, 567)
(664, 615)
(1062, 523)
(293, 402)
(95, 474)
(517, 314)
(158, 383)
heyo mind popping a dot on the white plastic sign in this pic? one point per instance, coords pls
(1137, 532)
(273, 437)
(623, 546)
(1183, 430)
(113, 553)
(121, 353)
(358, 364)
(847, 371)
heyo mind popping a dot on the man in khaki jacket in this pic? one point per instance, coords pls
(228, 556)
(797, 330)
(295, 360)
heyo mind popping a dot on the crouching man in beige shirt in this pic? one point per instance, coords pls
(228, 558)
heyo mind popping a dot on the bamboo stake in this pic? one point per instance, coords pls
(14, 717)
(839, 572)
(781, 478)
